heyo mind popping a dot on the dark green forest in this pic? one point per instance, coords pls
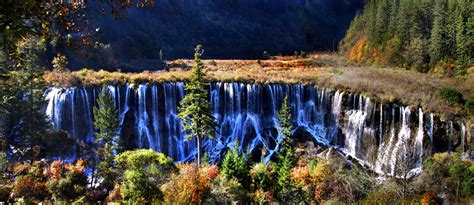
(424, 35)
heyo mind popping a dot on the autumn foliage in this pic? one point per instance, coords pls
(190, 185)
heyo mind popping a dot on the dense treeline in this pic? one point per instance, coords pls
(426, 35)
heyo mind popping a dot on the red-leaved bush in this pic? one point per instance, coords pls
(212, 172)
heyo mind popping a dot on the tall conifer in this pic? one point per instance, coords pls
(195, 111)
(438, 34)
(107, 124)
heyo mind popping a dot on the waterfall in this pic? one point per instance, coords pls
(142, 122)
(51, 110)
(336, 112)
(381, 125)
(386, 149)
(380, 138)
(357, 129)
(431, 127)
(354, 130)
(418, 148)
(463, 138)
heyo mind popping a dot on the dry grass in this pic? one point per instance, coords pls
(324, 70)
(396, 85)
(95, 78)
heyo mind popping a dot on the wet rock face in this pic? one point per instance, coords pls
(128, 132)
(51, 140)
(379, 135)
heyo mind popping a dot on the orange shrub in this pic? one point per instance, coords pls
(429, 198)
(115, 194)
(21, 168)
(29, 189)
(301, 176)
(360, 50)
(77, 167)
(191, 185)
(375, 53)
(55, 170)
(212, 172)
(353, 54)
(311, 178)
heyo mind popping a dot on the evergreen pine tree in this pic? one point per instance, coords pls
(452, 11)
(236, 164)
(24, 124)
(438, 34)
(414, 33)
(462, 50)
(417, 22)
(286, 160)
(470, 35)
(370, 13)
(402, 34)
(107, 124)
(285, 164)
(392, 20)
(381, 22)
(284, 115)
(403, 22)
(425, 8)
(195, 111)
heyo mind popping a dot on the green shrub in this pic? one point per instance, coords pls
(261, 177)
(469, 105)
(66, 182)
(224, 190)
(382, 196)
(144, 172)
(450, 96)
(237, 165)
(69, 188)
(283, 169)
(3, 166)
(447, 173)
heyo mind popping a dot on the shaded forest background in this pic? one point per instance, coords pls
(226, 28)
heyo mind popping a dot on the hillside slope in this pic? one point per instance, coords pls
(241, 29)
(424, 35)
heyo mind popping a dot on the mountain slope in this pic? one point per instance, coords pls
(226, 29)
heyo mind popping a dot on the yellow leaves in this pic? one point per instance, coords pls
(353, 54)
(358, 50)
(307, 176)
(191, 185)
(301, 176)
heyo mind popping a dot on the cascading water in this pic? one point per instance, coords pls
(377, 134)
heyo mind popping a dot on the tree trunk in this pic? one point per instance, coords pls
(198, 150)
